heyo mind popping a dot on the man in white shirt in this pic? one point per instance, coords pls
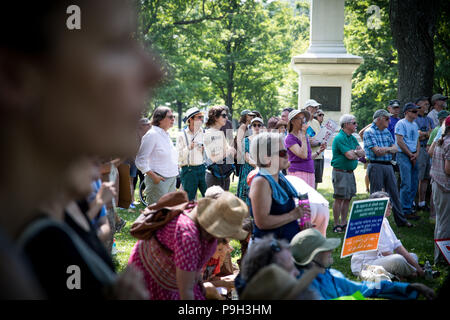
(190, 150)
(157, 156)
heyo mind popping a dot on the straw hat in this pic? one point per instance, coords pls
(274, 283)
(222, 218)
(308, 243)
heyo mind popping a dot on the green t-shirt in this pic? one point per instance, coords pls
(341, 144)
(433, 135)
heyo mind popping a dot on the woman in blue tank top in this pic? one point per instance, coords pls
(278, 213)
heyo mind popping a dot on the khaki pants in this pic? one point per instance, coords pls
(155, 191)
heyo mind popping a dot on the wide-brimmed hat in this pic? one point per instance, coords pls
(308, 243)
(223, 217)
(295, 112)
(190, 113)
(274, 283)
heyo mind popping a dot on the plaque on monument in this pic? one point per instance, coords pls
(329, 97)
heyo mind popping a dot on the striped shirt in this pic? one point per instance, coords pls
(373, 137)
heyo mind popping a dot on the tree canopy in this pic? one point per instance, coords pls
(238, 52)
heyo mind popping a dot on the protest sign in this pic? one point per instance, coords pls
(444, 246)
(364, 226)
(326, 132)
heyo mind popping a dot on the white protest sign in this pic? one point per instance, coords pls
(444, 246)
(326, 132)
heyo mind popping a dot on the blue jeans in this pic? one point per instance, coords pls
(409, 175)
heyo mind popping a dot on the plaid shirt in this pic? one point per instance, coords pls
(373, 137)
(437, 172)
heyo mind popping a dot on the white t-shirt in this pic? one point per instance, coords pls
(388, 243)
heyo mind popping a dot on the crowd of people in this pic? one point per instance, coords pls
(71, 104)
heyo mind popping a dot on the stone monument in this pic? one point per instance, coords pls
(326, 69)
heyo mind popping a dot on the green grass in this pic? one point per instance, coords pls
(418, 239)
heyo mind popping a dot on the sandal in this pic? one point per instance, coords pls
(337, 229)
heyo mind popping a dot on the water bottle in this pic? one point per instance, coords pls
(310, 132)
(303, 201)
(114, 247)
(428, 270)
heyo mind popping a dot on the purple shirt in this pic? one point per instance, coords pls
(298, 164)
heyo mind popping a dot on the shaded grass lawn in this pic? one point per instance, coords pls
(418, 239)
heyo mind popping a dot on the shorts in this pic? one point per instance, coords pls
(423, 163)
(344, 184)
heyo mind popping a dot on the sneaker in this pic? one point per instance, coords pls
(120, 225)
(132, 206)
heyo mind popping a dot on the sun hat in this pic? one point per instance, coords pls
(381, 113)
(223, 217)
(295, 112)
(274, 283)
(257, 119)
(308, 243)
(312, 103)
(190, 113)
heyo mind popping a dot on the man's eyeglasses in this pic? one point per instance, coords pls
(171, 117)
(257, 125)
(413, 111)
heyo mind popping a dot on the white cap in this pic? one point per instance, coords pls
(312, 103)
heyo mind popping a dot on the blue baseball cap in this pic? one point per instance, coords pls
(410, 106)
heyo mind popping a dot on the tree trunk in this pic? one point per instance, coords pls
(413, 28)
(180, 113)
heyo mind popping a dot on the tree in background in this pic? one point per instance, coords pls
(367, 34)
(413, 26)
(231, 52)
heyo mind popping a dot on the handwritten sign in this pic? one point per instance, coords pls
(364, 226)
(326, 132)
(444, 246)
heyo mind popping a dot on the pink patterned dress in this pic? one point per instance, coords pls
(187, 251)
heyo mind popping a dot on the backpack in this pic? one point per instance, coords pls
(157, 215)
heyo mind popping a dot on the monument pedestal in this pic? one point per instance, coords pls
(326, 69)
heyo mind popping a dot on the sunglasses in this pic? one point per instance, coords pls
(198, 117)
(320, 115)
(354, 123)
(257, 125)
(223, 115)
(171, 117)
(413, 111)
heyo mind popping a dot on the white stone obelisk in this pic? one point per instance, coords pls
(326, 69)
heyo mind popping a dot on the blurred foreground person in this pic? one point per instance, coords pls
(58, 90)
